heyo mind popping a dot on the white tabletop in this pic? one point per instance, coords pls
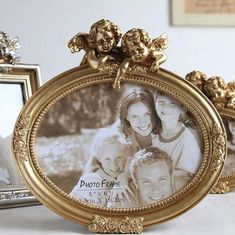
(214, 215)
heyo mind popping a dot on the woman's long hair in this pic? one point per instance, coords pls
(133, 96)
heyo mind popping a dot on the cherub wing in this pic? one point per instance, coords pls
(78, 42)
(160, 43)
(14, 44)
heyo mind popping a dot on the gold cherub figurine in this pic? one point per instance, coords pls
(139, 48)
(8, 49)
(197, 78)
(222, 95)
(100, 44)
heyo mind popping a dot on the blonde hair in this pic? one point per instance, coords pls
(105, 136)
(149, 156)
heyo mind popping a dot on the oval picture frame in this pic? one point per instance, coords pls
(227, 179)
(83, 80)
(222, 97)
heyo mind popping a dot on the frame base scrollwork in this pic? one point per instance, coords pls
(130, 225)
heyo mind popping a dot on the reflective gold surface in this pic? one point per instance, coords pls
(222, 95)
(76, 210)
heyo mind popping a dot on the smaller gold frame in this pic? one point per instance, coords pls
(222, 96)
(25, 80)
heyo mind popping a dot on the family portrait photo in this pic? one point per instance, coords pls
(119, 149)
(11, 96)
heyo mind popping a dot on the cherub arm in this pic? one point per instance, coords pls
(121, 72)
(94, 61)
(158, 46)
(160, 57)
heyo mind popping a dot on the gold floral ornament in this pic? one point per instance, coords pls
(222, 95)
(140, 49)
(101, 224)
(220, 188)
(218, 151)
(9, 49)
(100, 45)
(20, 136)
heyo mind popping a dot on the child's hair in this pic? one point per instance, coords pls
(104, 26)
(134, 36)
(133, 96)
(185, 117)
(103, 137)
(148, 156)
(161, 93)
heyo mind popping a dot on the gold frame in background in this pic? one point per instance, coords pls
(119, 220)
(222, 96)
(28, 76)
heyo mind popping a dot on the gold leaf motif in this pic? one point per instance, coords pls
(218, 147)
(101, 224)
(137, 69)
(19, 138)
(220, 188)
(108, 68)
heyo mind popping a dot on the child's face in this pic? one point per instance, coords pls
(140, 118)
(112, 159)
(167, 108)
(138, 52)
(105, 41)
(154, 182)
(231, 125)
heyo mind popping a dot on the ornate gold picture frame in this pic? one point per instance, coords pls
(118, 143)
(222, 96)
(17, 84)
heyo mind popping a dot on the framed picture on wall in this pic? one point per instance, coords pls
(17, 84)
(203, 12)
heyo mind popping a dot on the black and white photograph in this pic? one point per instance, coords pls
(12, 100)
(119, 149)
(229, 167)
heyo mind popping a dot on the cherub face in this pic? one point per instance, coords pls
(105, 41)
(138, 51)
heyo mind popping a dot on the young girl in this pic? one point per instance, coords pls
(230, 161)
(101, 171)
(176, 140)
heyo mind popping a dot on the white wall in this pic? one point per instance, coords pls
(45, 26)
